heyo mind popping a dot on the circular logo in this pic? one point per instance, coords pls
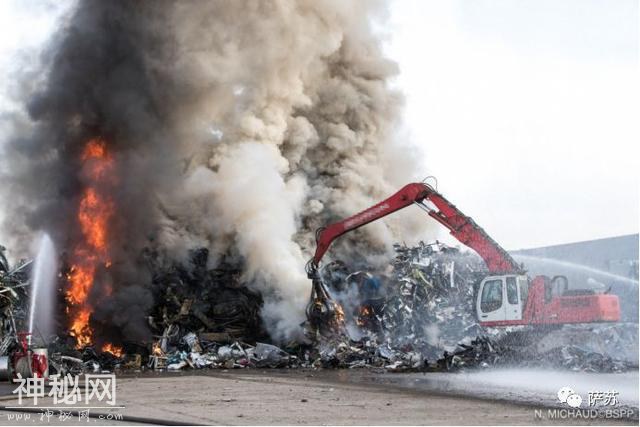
(564, 393)
(575, 400)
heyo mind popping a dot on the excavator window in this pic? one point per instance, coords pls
(512, 290)
(524, 289)
(491, 296)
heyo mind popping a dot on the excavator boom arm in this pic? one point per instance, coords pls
(463, 228)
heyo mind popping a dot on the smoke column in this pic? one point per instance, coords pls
(238, 126)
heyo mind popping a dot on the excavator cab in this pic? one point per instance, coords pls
(501, 299)
(513, 299)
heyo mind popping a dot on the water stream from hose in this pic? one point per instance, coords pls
(574, 267)
(43, 279)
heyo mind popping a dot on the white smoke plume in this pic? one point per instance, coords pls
(239, 126)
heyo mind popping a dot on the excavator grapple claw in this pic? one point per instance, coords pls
(325, 315)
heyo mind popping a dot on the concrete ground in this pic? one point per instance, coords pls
(250, 397)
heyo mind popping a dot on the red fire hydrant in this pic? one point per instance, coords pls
(29, 362)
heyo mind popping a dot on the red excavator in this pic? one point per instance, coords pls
(506, 297)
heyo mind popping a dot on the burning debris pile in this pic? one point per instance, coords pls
(406, 319)
(195, 309)
(90, 255)
(422, 316)
(240, 129)
(424, 305)
(178, 125)
(418, 315)
(429, 298)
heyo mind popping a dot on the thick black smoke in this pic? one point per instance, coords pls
(100, 84)
(239, 126)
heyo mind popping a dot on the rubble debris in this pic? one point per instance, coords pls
(132, 362)
(270, 356)
(4, 263)
(612, 340)
(14, 295)
(425, 304)
(577, 359)
(416, 316)
(421, 316)
(64, 365)
(484, 353)
(481, 352)
(195, 299)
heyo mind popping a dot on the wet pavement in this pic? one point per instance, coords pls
(6, 388)
(534, 387)
(524, 386)
(307, 396)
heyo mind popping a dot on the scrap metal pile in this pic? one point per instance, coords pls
(409, 316)
(501, 351)
(214, 302)
(14, 292)
(422, 316)
(14, 287)
(418, 314)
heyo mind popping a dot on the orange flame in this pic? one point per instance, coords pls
(365, 310)
(156, 349)
(364, 315)
(110, 348)
(338, 317)
(80, 327)
(94, 213)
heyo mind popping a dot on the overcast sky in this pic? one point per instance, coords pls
(526, 111)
